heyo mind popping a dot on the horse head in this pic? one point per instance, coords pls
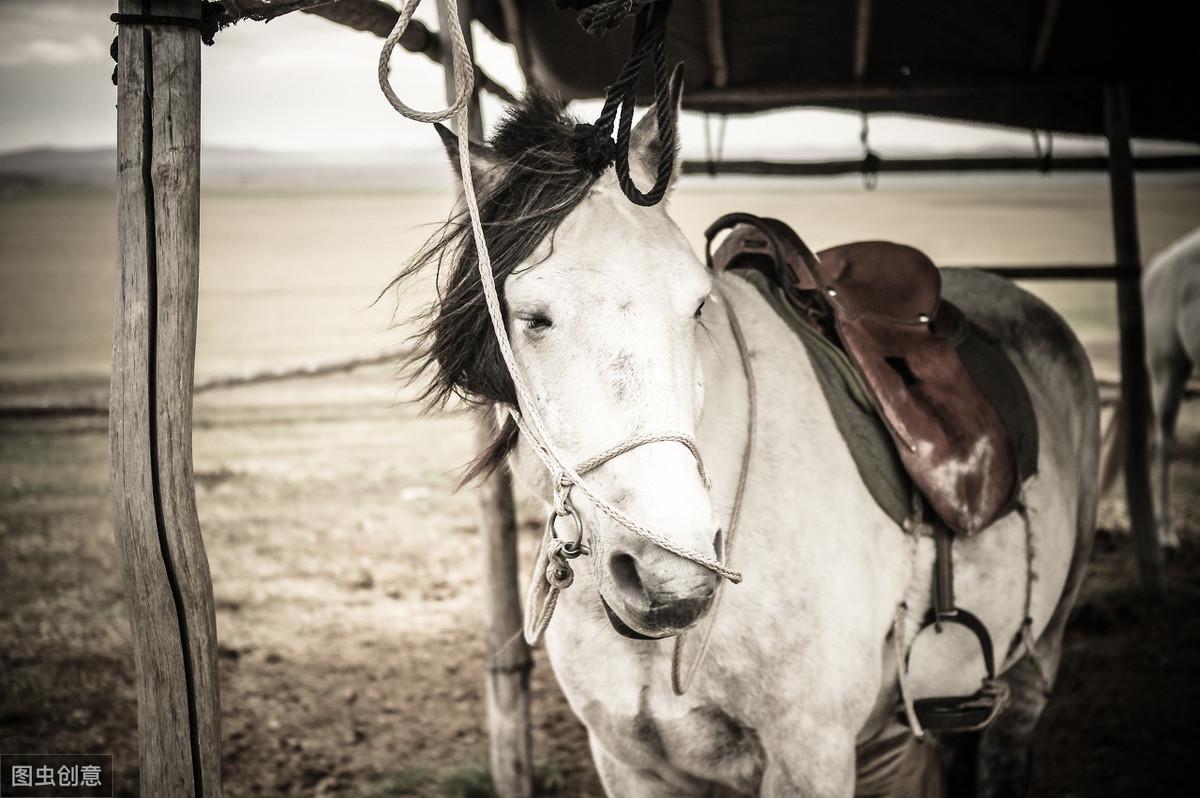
(604, 304)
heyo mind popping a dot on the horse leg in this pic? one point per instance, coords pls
(1005, 759)
(621, 779)
(1005, 762)
(961, 756)
(1169, 373)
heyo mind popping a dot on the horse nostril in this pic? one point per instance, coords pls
(625, 573)
(719, 545)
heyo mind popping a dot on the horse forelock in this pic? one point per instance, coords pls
(530, 186)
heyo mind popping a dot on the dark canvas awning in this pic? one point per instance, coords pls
(1025, 63)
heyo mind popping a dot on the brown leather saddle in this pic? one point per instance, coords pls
(881, 304)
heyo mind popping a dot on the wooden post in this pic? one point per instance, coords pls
(507, 658)
(162, 559)
(1134, 407)
(464, 18)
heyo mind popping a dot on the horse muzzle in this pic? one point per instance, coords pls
(644, 606)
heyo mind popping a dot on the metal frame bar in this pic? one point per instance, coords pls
(1069, 163)
(862, 38)
(1045, 35)
(1061, 272)
(1134, 408)
(782, 96)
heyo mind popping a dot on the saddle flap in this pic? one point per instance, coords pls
(950, 437)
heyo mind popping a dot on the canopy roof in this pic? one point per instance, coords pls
(1038, 64)
(1025, 63)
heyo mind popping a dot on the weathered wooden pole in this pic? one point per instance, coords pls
(507, 662)
(161, 553)
(1134, 407)
(465, 15)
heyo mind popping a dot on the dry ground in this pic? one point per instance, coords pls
(346, 586)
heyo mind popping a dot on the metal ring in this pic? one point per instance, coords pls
(572, 550)
(568, 545)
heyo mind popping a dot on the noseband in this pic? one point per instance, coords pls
(552, 571)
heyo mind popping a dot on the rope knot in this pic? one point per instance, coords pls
(598, 17)
(595, 150)
(558, 576)
(562, 494)
(559, 573)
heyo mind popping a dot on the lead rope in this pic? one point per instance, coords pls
(681, 680)
(1025, 635)
(594, 147)
(912, 529)
(565, 477)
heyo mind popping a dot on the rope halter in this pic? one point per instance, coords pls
(530, 423)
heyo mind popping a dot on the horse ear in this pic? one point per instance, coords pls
(484, 163)
(643, 139)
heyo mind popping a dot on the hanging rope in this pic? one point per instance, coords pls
(1025, 637)
(564, 476)
(460, 59)
(213, 18)
(712, 158)
(595, 150)
(871, 159)
(681, 677)
(598, 17)
(1044, 153)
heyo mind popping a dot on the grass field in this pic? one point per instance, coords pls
(347, 596)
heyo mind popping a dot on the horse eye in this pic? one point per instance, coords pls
(537, 322)
(699, 308)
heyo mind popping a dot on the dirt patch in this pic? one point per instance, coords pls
(346, 591)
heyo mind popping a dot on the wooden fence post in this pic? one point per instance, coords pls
(1134, 407)
(465, 15)
(507, 658)
(161, 553)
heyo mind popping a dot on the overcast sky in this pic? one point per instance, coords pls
(304, 84)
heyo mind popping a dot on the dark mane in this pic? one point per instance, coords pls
(523, 198)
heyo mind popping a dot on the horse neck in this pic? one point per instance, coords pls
(795, 429)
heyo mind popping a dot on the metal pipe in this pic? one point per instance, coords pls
(1069, 163)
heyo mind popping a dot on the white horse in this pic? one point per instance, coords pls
(621, 331)
(1171, 302)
